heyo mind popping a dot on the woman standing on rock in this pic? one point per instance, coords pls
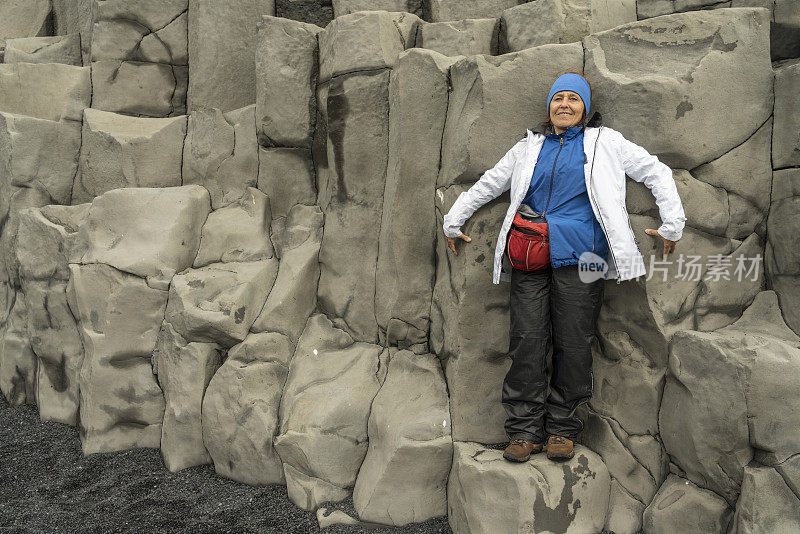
(567, 186)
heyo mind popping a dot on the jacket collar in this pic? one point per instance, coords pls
(595, 121)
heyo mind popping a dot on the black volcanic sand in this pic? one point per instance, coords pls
(47, 485)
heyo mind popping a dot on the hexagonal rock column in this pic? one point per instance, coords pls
(728, 394)
(121, 151)
(492, 103)
(17, 360)
(447, 10)
(345, 7)
(220, 153)
(324, 412)
(240, 409)
(462, 37)
(184, 370)
(238, 232)
(45, 240)
(405, 271)
(222, 42)
(352, 199)
(782, 256)
(218, 303)
(404, 476)
(558, 21)
(152, 233)
(680, 506)
(786, 139)
(287, 66)
(64, 49)
(140, 57)
(695, 60)
(767, 503)
(24, 18)
(294, 294)
(486, 493)
(46, 91)
(75, 16)
(119, 315)
(469, 324)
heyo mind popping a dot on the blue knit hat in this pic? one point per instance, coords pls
(571, 82)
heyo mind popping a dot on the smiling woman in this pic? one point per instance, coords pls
(567, 185)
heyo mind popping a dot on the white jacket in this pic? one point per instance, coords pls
(609, 157)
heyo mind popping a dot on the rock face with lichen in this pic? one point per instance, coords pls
(245, 266)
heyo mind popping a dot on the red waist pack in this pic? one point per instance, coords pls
(528, 246)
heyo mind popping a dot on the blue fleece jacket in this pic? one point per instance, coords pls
(570, 220)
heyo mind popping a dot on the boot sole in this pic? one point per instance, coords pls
(512, 458)
(561, 457)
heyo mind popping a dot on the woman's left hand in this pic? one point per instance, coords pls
(669, 245)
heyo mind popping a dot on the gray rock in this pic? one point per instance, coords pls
(635, 461)
(58, 49)
(489, 494)
(240, 409)
(220, 153)
(720, 403)
(406, 263)
(141, 31)
(155, 246)
(363, 41)
(324, 413)
(75, 16)
(21, 198)
(627, 387)
(24, 18)
(345, 7)
(118, 316)
(238, 232)
(17, 360)
(319, 12)
(294, 294)
(222, 44)
(653, 8)
(624, 511)
(139, 88)
(46, 91)
(44, 243)
(404, 476)
(766, 504)
(218, 303)
(285, 97)
(781, 255)
(558, 21)
(470, 324)
(39, 154)
(695, 51)
(745, 173)
(121, 151)
(352, 201)
(286, 175)
(463, 37)
(680, 506)
(784, 30)
(447, 10)
(786, 139)
(493, 101)
(184, 371)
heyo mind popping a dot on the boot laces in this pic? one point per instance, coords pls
(561, 440)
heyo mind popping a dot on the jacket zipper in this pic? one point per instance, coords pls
(591, 192)
(552, 173)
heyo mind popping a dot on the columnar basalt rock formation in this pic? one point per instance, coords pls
(221, 238)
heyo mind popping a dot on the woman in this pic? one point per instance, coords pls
(576, 176)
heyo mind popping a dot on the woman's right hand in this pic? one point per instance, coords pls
(451, 242)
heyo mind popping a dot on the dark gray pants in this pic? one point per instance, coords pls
(551, 308)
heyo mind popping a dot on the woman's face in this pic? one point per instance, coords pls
(566, 109)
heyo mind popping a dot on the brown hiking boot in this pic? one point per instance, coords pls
(519, 450)
(560, 448)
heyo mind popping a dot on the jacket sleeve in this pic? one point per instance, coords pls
(491, 185)
(642, 166)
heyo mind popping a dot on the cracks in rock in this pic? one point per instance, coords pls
(755, 132)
